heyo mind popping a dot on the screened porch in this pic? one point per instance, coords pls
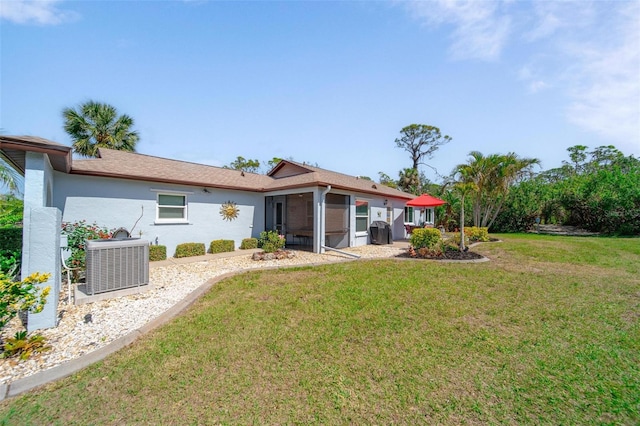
(294, 215)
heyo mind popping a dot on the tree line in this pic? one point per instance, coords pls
(596, 190)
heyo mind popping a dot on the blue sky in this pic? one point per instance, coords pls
(330, 82)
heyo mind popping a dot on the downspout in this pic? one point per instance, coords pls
(346, 253)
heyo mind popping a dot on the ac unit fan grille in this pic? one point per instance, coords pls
(116, 264)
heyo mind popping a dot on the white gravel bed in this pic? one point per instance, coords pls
(77, 335)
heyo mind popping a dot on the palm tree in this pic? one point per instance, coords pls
(492, 175)
(464, 188)
(8, 176)
(461, 183)
(409, 181)
(95, 125)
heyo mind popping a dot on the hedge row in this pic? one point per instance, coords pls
(190, 249)
(11, 238)
(249, 243)
(158, 252)
(222, 246)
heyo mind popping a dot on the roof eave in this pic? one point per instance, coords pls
(62, 155)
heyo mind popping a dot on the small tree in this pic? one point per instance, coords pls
(463, 188)
(240, 163)
(493, 176)
(421, 141)
(273, 162)
(386, 180)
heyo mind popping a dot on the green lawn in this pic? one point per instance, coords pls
(548, 332)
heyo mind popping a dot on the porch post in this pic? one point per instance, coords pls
(41, 253)
(319, 226)
(41, 235)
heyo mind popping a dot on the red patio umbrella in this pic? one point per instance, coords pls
(426, 200)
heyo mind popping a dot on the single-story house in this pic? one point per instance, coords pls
(169, 202)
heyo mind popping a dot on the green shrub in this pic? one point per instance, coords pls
(271, 241)
(190, 249)
(425, 238)
(222, 246)
(477, 234)
(157, 253)
(249, 243)
(11, 238)
(23, 346)
(11, 209)
(10, 262)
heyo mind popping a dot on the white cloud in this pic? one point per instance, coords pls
(533, 80)
(481, 30)
(589, 51)
(606, 86)
(553, 17)
(537, 85)
(42, 12)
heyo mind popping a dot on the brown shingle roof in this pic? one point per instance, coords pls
(322, 177)
(128, 165)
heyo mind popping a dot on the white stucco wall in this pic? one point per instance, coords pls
(118, 203)
(37, 180)
(377, 212)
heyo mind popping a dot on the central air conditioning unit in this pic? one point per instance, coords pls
(116, 264)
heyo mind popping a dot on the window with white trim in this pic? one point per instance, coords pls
(362, 216)
(429, 215)
(171, 208)
(408, 215)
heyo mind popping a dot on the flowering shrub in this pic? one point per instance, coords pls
(77, 233)
(472, 234)
(425, 238)
(22, 295)
(476, 234)
(271, 241)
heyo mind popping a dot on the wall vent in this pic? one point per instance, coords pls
(116, 264)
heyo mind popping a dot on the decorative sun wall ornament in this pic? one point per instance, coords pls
(229, 210)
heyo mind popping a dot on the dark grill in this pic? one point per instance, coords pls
(380, 233)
